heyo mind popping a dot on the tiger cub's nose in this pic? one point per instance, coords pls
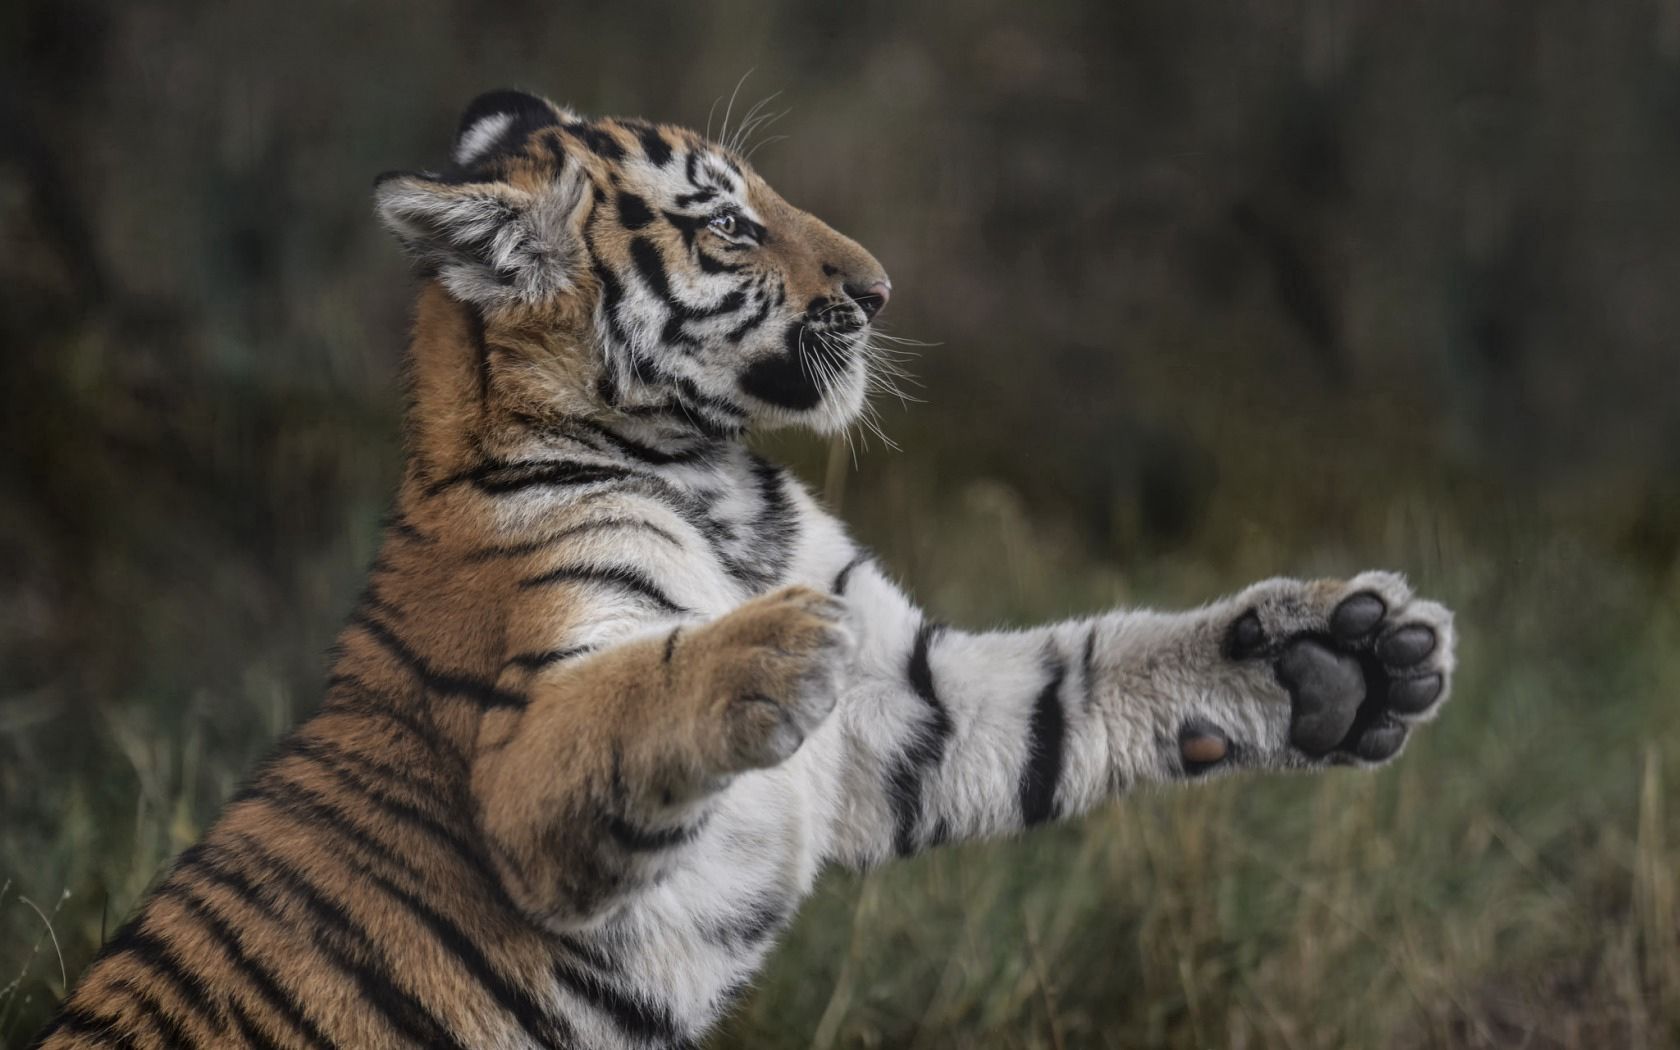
(870, 300)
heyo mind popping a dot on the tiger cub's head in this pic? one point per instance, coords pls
(685, 283)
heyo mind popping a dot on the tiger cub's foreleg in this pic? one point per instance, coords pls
(954, 735)
(585, 795)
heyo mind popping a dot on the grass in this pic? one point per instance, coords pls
(1511, 881)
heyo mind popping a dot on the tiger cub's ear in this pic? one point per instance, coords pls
(500, 120)
(490, 242)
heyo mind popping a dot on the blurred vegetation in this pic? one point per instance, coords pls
(1222, 291)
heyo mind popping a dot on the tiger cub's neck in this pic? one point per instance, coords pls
(482, 393)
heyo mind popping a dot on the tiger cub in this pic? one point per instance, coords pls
(619, 689)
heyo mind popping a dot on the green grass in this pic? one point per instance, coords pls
(1510, 881)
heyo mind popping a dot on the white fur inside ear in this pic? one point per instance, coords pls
(480, 137)
(490, 244)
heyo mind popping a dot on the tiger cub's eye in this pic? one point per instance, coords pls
(723, 225)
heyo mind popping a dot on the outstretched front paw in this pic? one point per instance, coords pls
(1362, 661)
(769, 672)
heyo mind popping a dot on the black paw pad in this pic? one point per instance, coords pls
(1381, 742)
(1411, 696)
(1357, 615)
(1406, 646)
(1327, 689)
(1202, 745)
(1246, 637)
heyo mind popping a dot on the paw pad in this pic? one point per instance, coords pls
(1327, 687)
(1411, 696)
(1359, 668)
(1247, 636)
(1202, 746)
(1406, 646)
(1357, 615)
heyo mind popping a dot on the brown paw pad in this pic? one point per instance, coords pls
(1202, 745)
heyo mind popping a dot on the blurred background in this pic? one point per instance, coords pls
(1218, 291)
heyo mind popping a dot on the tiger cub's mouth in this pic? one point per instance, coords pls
(820, 365)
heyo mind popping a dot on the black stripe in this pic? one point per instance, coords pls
(730, 303)
(399, 524)
(755, 231)
(340, 937)
(688, 200)
(367, 784)
(711, 265)
(165, 1022)
(1088, 668)
(372, 599)
(313, 810)
(606, 387)
(363, 700)
(687, 225)
(636, 839)
(640, 1018)
(1042, 772)
(260, 977)
(654, 146)
(926, 749)
(370, 770)
(249, 1029)
(481, 354)
(620, 576)
(920, 672)
(776, 528)
(845, 575)
(650, 266)
(485, 694)
(556, 475)
(78, 1020)
(519, 1004)
(597, 140)
(633, 212)
(671, 644)
(632, 837)
(537, 661)
(740, 331)
(612, 294)
(514, 550)
(589, 953)
(647, 453)
(543, 1028)
(160, 958)
(496, 477)
(763, 915)
(734, 416)
(499, 479)
(685, 505)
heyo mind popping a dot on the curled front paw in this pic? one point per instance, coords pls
(1362, 661)
(770, 673)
